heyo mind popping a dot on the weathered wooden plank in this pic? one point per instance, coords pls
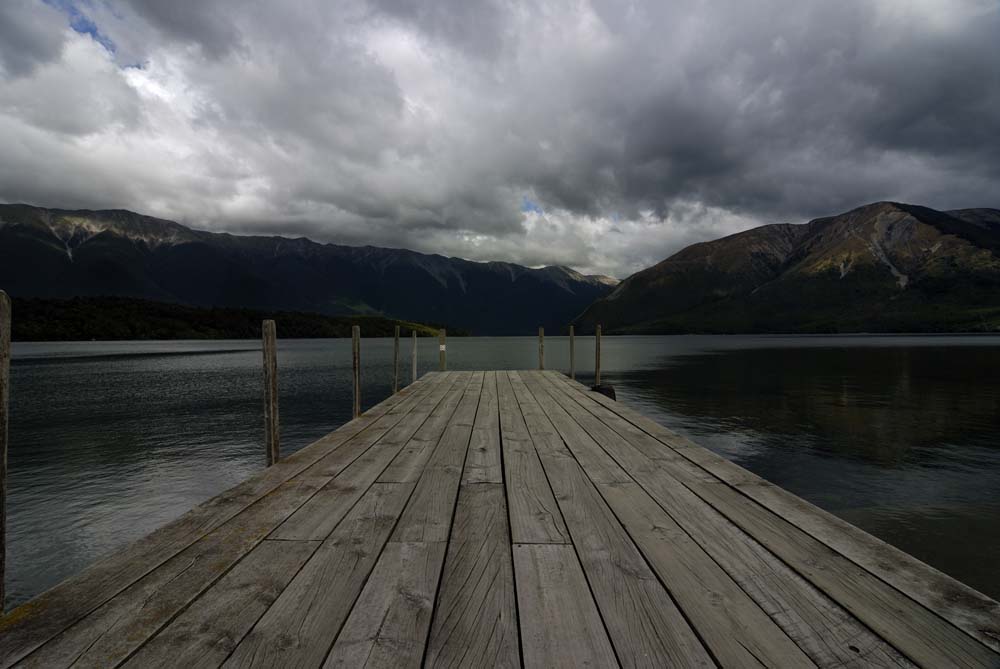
(388, 625)
(208, 630)
(112, 632)
(483, 463)
(272, 433)
(552, 425)
(319, 516)
(534, 514)
(475, 620)
(301, 626)
(39, 620)
(735, 629)
(560, 625)
(428, 515)
(410, 461)
(824, 630)
(644, 624)
(918, 633)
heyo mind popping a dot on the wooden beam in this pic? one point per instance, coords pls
(413, 355)
(541, 348)
(442, 350)
(4, 401)
(395, 363)
(272, 441)
(597, 357)
(572, 354)
(356, 355)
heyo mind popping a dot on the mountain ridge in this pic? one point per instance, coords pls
(56, 253)
(884, 266)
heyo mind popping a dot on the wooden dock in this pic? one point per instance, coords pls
(505, 519)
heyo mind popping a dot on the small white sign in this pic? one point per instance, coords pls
(441, 347)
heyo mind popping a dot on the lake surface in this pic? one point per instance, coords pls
(898, 435)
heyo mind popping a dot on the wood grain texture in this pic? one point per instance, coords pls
(388, 625)
(317, 518)
(824, 630)
(854, 566)
(410, 461)
(644, 624)
(428, 515)
(39, 620)
(534, 514)
(475, 620)
(560, 625)
(483, 464)
(272, 436)
(208, 630)
(123, 624)
(301, 626)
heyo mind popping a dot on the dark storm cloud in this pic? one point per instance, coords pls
(30, 35)
(636, 128)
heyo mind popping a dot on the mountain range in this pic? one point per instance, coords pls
(883, 267)
(54, 253)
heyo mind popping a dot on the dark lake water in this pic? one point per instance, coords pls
(898, 435)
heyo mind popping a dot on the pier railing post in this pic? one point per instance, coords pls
(4, 401)
(541, 348)
(356, 355)
(443, 350)
(395, 363)
(597, 356)
(572, 354)
(413, 355)
(272, 443)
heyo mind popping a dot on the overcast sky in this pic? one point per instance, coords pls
(603, 135)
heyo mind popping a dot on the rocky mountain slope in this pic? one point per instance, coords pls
(884, 267)
(55, 253)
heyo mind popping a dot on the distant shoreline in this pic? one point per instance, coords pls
(93, 319)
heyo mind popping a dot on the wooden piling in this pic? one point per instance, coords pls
(572, 354)
(4, 401)
(356, 355)
(443, 350)
(541, 348)
(272, 442)
(597, 357)
(413, 355)
(395, 363)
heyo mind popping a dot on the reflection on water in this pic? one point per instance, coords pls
(894, 434)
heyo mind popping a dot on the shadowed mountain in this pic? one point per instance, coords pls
(884, 267)
(54, 253)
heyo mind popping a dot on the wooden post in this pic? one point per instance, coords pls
(395, 363)
(413, 355)
(572, 354)
(4, 401)
(272, 444)
(443, 350)
(541, 348)
(597, 357)
(356, 354)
